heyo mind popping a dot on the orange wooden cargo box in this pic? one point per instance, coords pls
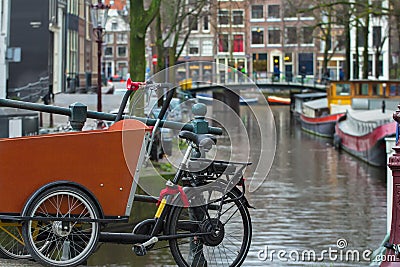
(104, 162)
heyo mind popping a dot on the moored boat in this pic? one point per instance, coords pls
(362, 133)
(316, 119)
(276, 100)
(323, 126)
(297, 101)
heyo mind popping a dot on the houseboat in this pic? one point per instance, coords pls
(368, 120)
(297, 100)
(316, 119)
(363, 133)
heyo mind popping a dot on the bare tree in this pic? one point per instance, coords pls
(328, 27)
(394, 7)
(173, 27)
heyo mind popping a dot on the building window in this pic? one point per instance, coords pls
(307, 35)
(274, 12)
(274, 36)
(108, 51)
(73, 7)
(73, 52)
(306, 63)
(122, 51)
(122, 38)
(237, 17)
(207, 48)
(238, 43)
(206, 24)
(223, 17)
(380, 66)
(260, 62)
(223, 43)
(122, 69)
(288, 58)
(257, 12)
(87, 25)
(257, 36)
(53, 12)
(377, 36)
(193, 24)
(109, 38)
(194, 48)
(114, 26)
(291, 35)
(360, 36)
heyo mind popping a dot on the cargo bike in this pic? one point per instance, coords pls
(59, 191)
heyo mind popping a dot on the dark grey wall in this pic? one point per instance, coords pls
(34, 42)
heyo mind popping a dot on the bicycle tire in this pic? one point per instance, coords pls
(53, 244)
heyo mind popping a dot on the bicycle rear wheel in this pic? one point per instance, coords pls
(230, 240)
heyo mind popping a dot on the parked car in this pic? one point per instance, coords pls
(118, 83)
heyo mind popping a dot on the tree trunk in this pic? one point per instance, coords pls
(159, 44)
(137, 58)
(140, 20)
(357, 65)
(365, 52)
(348, 59)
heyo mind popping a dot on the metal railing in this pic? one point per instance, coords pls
(267, 78)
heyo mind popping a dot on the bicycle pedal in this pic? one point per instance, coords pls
(139, 250)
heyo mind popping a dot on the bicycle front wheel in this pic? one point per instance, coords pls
(230, 233)
(12, 245)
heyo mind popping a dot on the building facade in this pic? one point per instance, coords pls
(281, 43)
(116, 51)
(50, 44)
(271, 40)
(379, 52)
(4, 43)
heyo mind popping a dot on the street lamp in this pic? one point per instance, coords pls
(99, 18)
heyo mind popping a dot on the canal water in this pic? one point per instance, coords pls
(314, 199)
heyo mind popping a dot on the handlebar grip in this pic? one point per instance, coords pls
(214, 130)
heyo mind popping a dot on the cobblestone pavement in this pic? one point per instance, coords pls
(14, 263)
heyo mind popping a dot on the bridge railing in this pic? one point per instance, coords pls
(267, 78)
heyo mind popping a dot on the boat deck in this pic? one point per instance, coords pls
(362, 122)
